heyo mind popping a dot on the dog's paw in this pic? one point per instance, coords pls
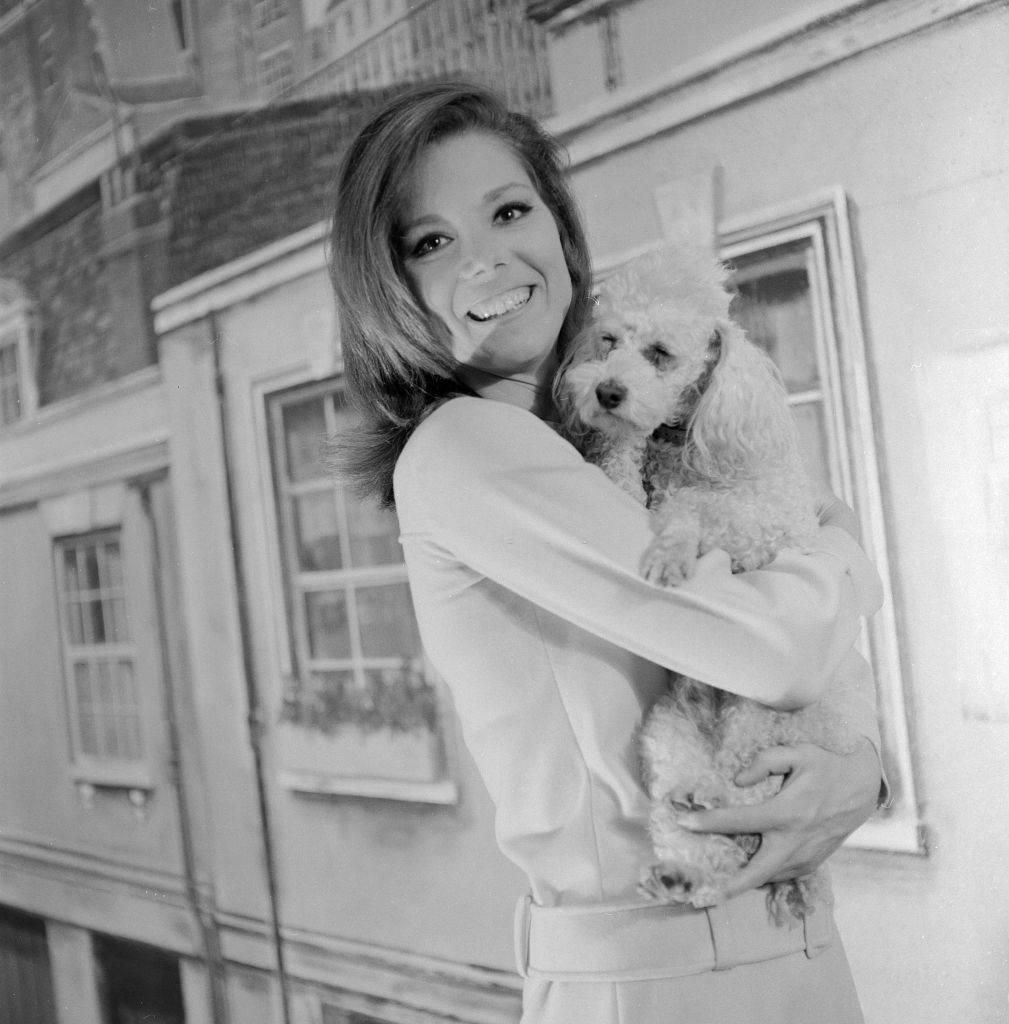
(698, 797)
(667, 883)
(668, 561)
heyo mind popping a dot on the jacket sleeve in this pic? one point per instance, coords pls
(497, 490)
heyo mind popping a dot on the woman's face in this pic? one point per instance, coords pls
(483, 254)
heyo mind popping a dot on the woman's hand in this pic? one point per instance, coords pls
(832, 511)
(823, 799)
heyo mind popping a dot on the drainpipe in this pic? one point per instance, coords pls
(203, 911)
(255, 716)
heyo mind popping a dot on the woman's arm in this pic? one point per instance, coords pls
(500, 492)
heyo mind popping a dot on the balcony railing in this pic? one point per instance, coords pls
(491, 41)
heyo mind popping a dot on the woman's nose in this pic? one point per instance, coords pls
(481, 256)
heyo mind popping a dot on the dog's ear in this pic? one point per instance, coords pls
(578, 349)
(742, 419)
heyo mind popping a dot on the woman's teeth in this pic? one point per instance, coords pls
(500, 304)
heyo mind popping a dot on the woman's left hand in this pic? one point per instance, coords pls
(823, 799)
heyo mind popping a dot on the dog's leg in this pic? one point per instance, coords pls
(672, 555)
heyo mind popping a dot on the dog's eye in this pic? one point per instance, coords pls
(660, 358)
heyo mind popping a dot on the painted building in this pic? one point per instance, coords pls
(232, 786)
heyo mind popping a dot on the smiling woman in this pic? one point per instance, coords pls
(484, 256)
(462, 275)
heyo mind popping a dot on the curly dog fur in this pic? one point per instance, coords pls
(667, 395)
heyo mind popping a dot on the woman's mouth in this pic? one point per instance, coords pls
(500, 304)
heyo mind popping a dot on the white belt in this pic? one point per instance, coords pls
(635, 941)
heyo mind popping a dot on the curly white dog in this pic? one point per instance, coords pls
(666, 394)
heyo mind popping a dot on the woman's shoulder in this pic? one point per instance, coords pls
(466, 436)
(467, 423)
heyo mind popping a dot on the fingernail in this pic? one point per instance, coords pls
(687, 821)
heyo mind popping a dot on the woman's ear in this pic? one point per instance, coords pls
(742, 419)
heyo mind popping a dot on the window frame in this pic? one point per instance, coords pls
(326, 777)
(100, 769)
(822, 222)
(75, 514)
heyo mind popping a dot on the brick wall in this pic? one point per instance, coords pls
(211, 190)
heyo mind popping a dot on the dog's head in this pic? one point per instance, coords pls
(662, 351)
(647, 354)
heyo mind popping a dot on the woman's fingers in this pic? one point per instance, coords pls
(773, 761)
(733, 821)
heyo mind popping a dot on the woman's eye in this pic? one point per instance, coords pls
(511, 212)
(660, 358)
(427, 245)
(609, 339)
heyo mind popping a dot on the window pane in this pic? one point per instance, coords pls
(305, 435)
(328, 628)
(126, 711)
(777, 314)
(75, 623)
(115, 620)
(387, 625)
(10, 400)
(318, 539)
(70, 576)
(374, 534)
(112, 567)
(94, 623)
(86, 724)
(813, 442)
(89, 568)
(8, 357)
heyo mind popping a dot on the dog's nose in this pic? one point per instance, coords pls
(610, 394)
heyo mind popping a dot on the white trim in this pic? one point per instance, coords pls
(135, 446)
(444, 791)
(106, 466)
(248, 277)
(64, 408)
(754, 62)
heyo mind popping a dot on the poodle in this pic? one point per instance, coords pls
(666, 394)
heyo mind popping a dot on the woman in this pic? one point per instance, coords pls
(461, 272)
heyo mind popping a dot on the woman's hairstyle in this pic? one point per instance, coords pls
(396, 360)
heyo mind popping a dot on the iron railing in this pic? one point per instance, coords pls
(491, 41)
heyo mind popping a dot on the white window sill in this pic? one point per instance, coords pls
(444, 792)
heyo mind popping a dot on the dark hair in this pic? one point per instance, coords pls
(396, 361)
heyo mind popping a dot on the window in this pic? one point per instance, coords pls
(138, 983)
(797, 297)
(357, 648)
(18, 396)
(10, 379)
(266, 12)
(276, 70)
(47, 51)
(26, 986)
(360, 708)
(99, 654)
